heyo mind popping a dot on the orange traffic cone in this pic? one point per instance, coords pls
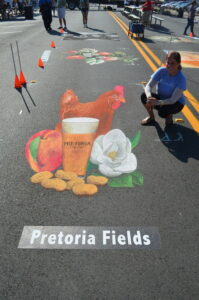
(22, 78)
(17, 82)
(52, 44)
(191, 34)
(61, 30)
(40, 63)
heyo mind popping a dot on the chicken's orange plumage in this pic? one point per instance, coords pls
(102, 108)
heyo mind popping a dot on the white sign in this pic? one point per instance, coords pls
(75, 237)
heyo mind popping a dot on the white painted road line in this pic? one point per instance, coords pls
(46, 55)
(20, 25)
(10, 32)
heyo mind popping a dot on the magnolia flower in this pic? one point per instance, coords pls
(112, 153)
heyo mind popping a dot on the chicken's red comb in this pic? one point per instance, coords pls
(120, 90)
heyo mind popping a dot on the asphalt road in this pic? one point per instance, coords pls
(167, 159)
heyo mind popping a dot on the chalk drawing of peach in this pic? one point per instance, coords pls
(43, 150)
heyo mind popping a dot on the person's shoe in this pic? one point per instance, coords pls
(148, 121)
(65, 28)
(185, 33)
(60, 27)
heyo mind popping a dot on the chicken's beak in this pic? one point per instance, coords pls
(123, 100)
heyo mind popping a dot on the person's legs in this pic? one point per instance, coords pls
(192, 25)
(49, 19)
(64, 20)
(148, 18)
(53, 11)
(167, 111)
(60, 17)
(151, 117)
(188, 24)
(86, 17)
(45, 19)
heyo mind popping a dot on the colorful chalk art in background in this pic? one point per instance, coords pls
(94, 57)
(83, 153)
(172, 39)
(190, 59)
(90, 36)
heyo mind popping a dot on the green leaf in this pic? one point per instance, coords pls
(121, 181)
(97, 174)
(137, 178)
(135, 140)
(119, 53)
(34, 145)
(90, 166)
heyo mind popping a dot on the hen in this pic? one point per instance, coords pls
(102, 108)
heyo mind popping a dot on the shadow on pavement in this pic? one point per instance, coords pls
(160, 29)
(182, 142)
(95, 29)
(148, 40)
(54, 32)
(24, 100)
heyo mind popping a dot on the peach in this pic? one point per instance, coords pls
(43, 150)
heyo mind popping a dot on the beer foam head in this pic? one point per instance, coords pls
(80, 125)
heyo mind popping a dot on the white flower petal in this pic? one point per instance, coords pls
(107, 171)
(128, 146)
(96, 153)
(128, 165)
(114, 136)
(99, 140)
(109, 162)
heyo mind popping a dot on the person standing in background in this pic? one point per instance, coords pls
(191, 16)
(147, 12)
(46, 12)
(61, 10)
(84, 7)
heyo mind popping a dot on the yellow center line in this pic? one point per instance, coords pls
(186, 111)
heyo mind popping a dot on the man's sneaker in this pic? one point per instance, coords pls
(60, 27)
(65, 29)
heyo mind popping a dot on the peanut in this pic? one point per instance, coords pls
(38, 177)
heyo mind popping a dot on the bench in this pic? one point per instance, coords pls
(134, 18)
(157, 19)
(125, 12)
